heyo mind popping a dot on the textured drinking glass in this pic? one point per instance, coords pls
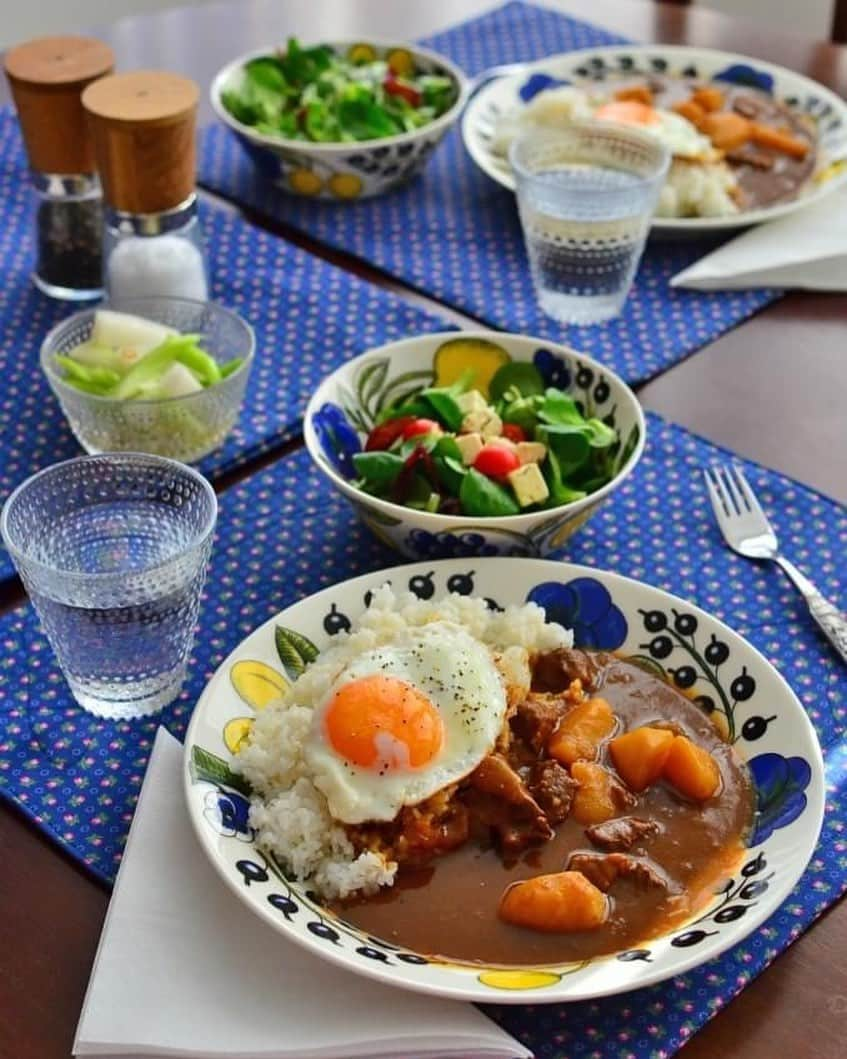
(586, 195)
(112, 550)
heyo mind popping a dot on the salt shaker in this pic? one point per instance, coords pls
(143, 125)
(47, 77)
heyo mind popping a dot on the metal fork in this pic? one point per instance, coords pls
(747, 531)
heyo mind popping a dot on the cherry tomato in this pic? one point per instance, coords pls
(513, 432)
(421, 426)
(397, 88)
(496, 461)
(383, 436)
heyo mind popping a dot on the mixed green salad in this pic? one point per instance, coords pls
(315, 94)
(523, 447)
(127, 358)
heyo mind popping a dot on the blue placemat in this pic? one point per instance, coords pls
(284, 534)
(454, 234)
(308, 315)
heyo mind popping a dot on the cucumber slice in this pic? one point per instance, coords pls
(178, 381)
(126, 331)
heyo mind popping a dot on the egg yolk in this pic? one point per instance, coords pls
(627, 112)
(382, 723)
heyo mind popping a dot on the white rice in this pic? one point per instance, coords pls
(698, 189)
(288, 812)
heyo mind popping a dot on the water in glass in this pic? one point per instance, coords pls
(585, 198)
(115, 573)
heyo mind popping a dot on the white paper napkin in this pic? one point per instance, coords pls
(806, 250)
(184, 969)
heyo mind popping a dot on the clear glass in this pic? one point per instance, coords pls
(149, 254)
(586, 195)
(113, 550)
(183, 428)
(68, 236)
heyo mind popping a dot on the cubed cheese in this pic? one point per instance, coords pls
(485, 422)
(470, 446)
(528, 484)
(472, 401)
(503, 442)
(531, 451)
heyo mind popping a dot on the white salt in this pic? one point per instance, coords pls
(156, 265)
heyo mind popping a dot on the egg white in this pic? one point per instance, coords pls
(459, 677)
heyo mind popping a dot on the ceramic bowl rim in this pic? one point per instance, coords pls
(439, 124)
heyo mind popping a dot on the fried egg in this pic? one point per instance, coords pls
(681, 138)
(403, 721)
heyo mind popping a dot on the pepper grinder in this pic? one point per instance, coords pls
(143, 126)
(47, 77)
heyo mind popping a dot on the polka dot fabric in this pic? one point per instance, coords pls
(284, 534)
(309, 318)
(454, 233)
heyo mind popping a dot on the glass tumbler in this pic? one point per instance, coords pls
(113, 550)
(586, 194)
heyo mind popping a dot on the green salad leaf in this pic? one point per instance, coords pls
(314, 94)
(482, 496)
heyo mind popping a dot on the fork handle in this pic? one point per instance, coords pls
(832, 623)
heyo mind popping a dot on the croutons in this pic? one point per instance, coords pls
(471, 401)
(528, 484)
(531, 451)
(484, 421)
(470, 446)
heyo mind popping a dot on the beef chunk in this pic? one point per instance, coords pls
(552, 788)
(499, 800)
(604, 869)
(622, 834)
(750, 156)
(747, 106)
(536, 718)
(555, 670)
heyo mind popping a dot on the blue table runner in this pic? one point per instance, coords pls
(284, 534)
(309, 318)
(454, 234)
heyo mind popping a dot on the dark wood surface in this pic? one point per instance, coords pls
(770, 390)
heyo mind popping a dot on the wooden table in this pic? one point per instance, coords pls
(770, 390)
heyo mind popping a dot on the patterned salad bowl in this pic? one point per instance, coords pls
(345, 406)
(746, 697)
(343, 171)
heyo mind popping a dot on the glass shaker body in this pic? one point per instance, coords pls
(150, 254)
(68, 234)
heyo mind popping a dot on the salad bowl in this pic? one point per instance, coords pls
(347, 169)
(346, 405)
(730, 679)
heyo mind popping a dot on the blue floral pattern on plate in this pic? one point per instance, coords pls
(780, 784)
(585, 606)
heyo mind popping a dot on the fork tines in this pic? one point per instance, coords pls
(730, 489)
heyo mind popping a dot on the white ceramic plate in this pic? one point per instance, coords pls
(599, 64)
(604, 610)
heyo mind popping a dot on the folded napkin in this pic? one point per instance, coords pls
(806, 250)
(183, 969)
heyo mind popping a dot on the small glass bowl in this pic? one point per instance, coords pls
(182, 428)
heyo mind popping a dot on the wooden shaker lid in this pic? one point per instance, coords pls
(47, 77)
(143, 128)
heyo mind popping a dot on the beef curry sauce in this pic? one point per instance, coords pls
(656, 855)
